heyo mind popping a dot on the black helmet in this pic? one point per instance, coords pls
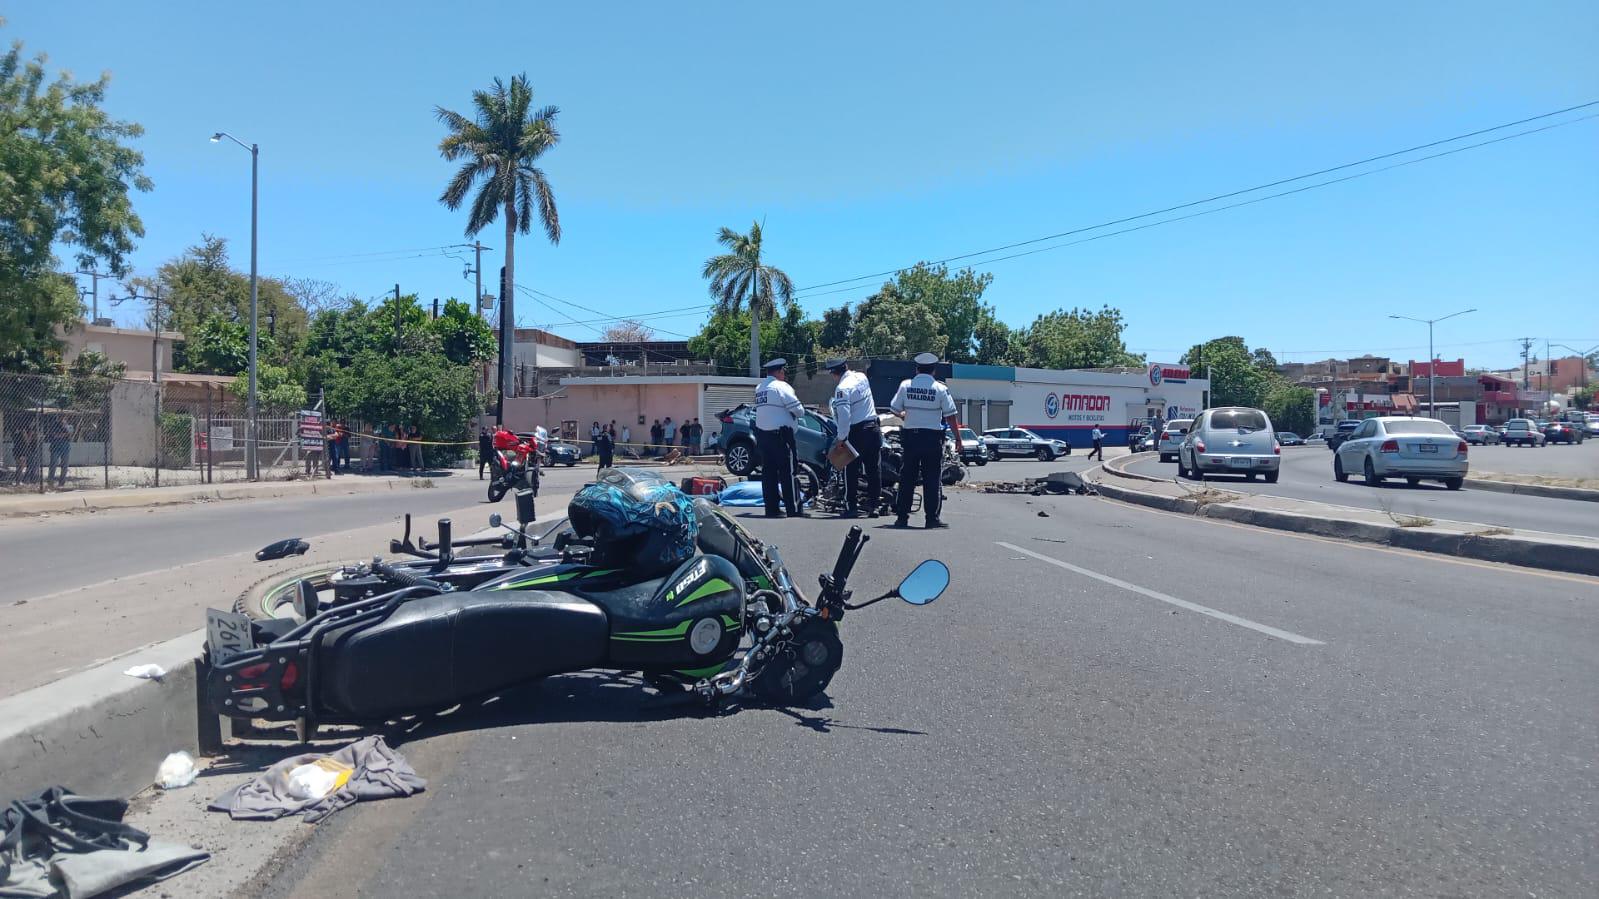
(639, 521)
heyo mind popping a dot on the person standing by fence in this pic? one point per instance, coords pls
(604, 447)
(413, 436)
(656, 434)
(60, 439)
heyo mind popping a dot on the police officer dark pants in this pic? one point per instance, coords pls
(867, 440)
(777, 470)
(924, 456)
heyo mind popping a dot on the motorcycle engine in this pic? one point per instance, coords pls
(802, 667)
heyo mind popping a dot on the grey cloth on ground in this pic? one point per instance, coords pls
(61, 844)
(380, 773)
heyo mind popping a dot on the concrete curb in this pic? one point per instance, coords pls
(137, 498)
(101, 732)
(1553, 556)
(1580, 494)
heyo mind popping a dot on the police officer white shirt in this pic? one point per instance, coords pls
(852, 401)
(924, 402)
(776, 405)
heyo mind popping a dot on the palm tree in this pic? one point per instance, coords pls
(501, 146)
(738, 277)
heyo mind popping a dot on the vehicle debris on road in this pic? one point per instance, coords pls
(376, 772)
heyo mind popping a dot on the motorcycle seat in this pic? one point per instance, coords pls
(435, 651)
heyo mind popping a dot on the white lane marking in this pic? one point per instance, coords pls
(1219, 615)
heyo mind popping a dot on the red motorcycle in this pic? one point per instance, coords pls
(515, 465)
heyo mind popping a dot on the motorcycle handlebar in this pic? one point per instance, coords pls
(847, 554)
(405, 577)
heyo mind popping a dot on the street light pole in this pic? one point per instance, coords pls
(1582, 355)
(1432, 364)
(250, 455)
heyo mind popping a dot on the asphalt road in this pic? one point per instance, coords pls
(1330, 718)
(1307, 474)
(1559, 460)
(60, 552)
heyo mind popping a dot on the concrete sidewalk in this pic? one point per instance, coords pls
(1554, 552)
(20, 504)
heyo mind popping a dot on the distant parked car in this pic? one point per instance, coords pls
(1523, 432)
(736, 442)
(1341, 433)
(1289, 438)
(1230, 440)
(976, 450)
(1022, 442)
(1415, 449)
(1563, 432)
(1480, 434)
(562, 453)
(1171, 437)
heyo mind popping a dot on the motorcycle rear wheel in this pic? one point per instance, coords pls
(496, 492)
(273, 597)
(805, 667)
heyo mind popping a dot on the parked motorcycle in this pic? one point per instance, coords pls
(721, 624)
(513, 469)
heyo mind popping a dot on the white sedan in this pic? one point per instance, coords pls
(1415, 449)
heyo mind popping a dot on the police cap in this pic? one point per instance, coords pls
(775, 364)
(836, 365)
(926, 359)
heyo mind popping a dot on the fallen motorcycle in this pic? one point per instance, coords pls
(648, 598)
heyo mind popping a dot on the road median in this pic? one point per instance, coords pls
(23, 504)
(1554, 552)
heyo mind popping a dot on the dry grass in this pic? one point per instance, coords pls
(1492, 532)
(1412, 521)
(1538, 479)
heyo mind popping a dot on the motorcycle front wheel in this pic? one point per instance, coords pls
(804, 667)
(496, 492)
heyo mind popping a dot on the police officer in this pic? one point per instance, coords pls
(856, 418)
(777, 410)
(925, 405)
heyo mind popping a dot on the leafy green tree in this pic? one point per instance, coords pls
(425, 389)
(1235, 379)
(462, 335)
(956, 299)
(501, 147)
(739, 280)
(888, 325)
(218, 346)
(202, 285)
(1080, 338)
(724, 341)
(1582, 398)
(276, 389)
(65, 178)
(836, 327)
(1291, 408)
(993, 339)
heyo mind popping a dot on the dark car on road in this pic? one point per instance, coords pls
(1289, 438)
(736, 442)
(1563, 432)
(1341, 433)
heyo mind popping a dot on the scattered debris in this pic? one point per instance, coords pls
(61, 844)
(1042, 514)
(177, 770)
(1060, 482)
(377, 772)
(148, 672)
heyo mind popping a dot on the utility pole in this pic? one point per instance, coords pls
(95, 293)
(1432, 364)
(505, 349)
(396, 319)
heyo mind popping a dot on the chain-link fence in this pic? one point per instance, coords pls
(73, 432)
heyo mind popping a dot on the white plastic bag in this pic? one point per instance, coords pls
(148, 672)
(317, 779)
(177, 770)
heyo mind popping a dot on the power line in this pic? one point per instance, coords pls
(809, 290)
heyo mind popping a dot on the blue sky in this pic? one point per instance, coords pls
(868, 136)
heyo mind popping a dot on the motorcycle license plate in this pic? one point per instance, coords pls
(1238, 463)
(227, 634)
(1429, 447)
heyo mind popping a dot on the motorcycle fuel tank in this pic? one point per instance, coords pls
(689, 623)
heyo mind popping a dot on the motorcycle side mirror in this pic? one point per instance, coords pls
(495, 520)
(524, 507)
(293, 546)
(925, 583)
